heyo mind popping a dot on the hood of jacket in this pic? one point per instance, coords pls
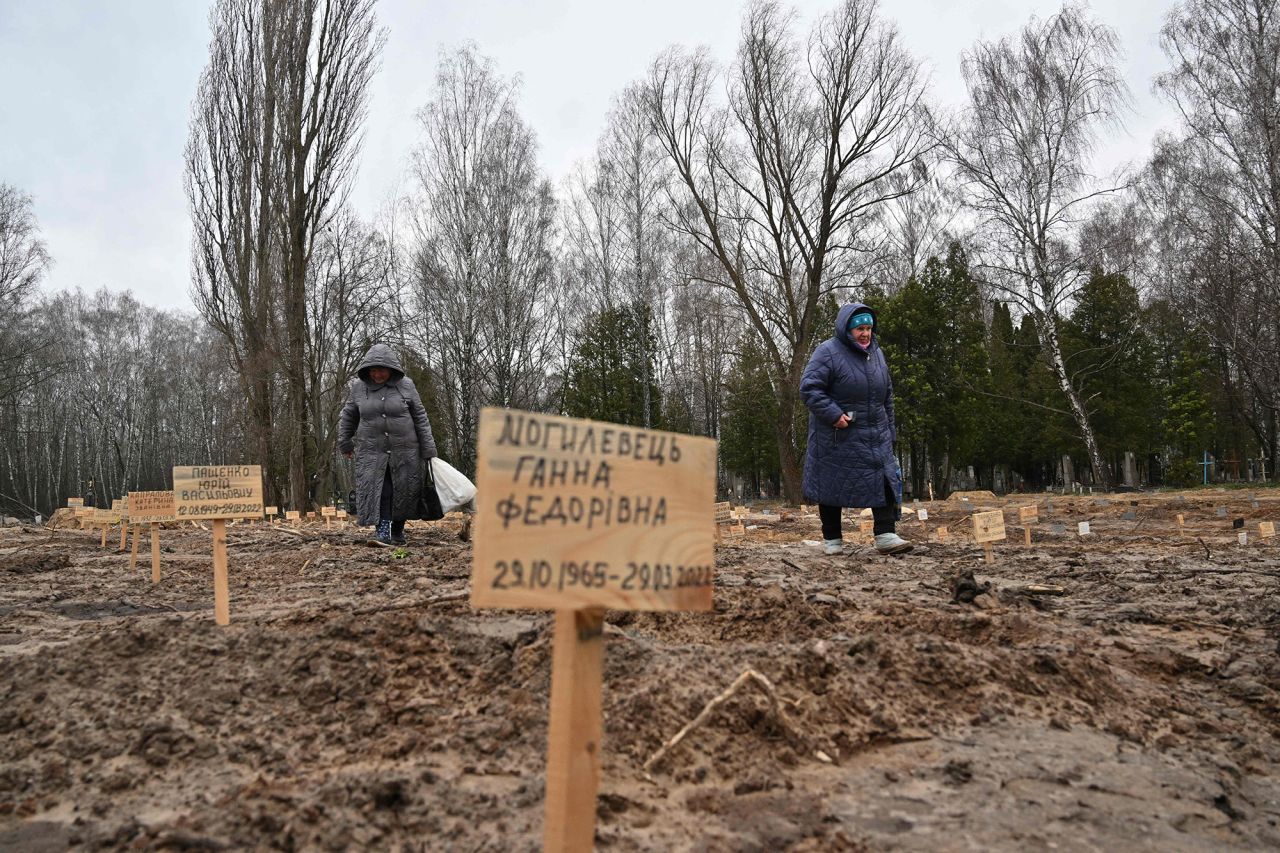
(381, 355)
(845, 314)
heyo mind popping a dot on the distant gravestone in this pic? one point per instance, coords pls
(1083, 528)
(1221, 512)
(1102, 502)
(1130, 515)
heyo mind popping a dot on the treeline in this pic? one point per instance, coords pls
(1041, 322)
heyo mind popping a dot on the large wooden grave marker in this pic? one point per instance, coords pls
(217, 493)
(578, 516)
(1266, 529)
(152, 508)
(1028, 515)
(988, 527)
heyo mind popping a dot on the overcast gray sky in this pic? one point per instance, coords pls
(95, 99)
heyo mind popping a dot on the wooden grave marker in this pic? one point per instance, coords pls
(104, 518)
(1242, 538)
(293, 515)
(217, 493)
(724, 514)
(577, 516)
(152, 508)
(943, 534)
(1182, 519)
(988, 527)
(328, 512)
(867, 527)
(1266, 529)
(1028, 515)
(271, 513)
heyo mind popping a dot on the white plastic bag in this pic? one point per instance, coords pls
(454, 489)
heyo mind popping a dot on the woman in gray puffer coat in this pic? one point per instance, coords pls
(385, 424)
(849, 461)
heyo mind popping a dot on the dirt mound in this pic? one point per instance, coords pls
(973, 497)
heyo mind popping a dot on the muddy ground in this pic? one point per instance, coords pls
(355, 702)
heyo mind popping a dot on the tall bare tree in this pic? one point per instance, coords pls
(1223, 182)
(1022, 145)
(782, 185)
(23, 262)
(274, 137)
(483, 219)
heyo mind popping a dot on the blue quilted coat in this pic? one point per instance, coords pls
(852, 466)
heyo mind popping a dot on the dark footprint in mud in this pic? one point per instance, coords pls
(90, 610)
(33, 564)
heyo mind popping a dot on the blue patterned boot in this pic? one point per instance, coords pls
(383, 536)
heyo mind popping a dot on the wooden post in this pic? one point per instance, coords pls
(133, 553)
(104, 535)
(573, 742)
(221, 593)
(155, 552)
(987, 556)
(1026, 535)
(1181, 519)
(124, 535)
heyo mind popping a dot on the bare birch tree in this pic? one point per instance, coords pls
(1225, 171)
(483, 219)
(1037, 103)
(23, 262)
(783, 184)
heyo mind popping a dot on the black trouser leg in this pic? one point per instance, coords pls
(397, 528)
(830, 516)
(384, 507)
(886, 517)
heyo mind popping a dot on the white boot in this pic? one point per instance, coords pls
(832, 546)
(892, 543)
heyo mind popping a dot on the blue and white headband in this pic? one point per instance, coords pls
(862, 319)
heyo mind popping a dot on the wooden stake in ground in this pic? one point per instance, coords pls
(988, 527)
(576, 730)
(1181, 520)
(602, 516)
(133, 553)
(217, 493)
(155, 552)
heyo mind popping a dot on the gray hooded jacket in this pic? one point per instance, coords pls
(387, 427)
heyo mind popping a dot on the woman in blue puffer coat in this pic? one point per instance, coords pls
(850, 462)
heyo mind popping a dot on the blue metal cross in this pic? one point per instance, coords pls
(1206, 463)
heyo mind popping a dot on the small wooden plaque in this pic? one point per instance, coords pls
(75, 502)
(329, 510)
(943, 533)
(292, 515)
(146, 507)
(723, 513)
(271, 511)
(311, 515)
(342, 513)
(867, 526)
(1266, 529)
(922, 514)
(1029, 514)
(217, 491)
(988, 526)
